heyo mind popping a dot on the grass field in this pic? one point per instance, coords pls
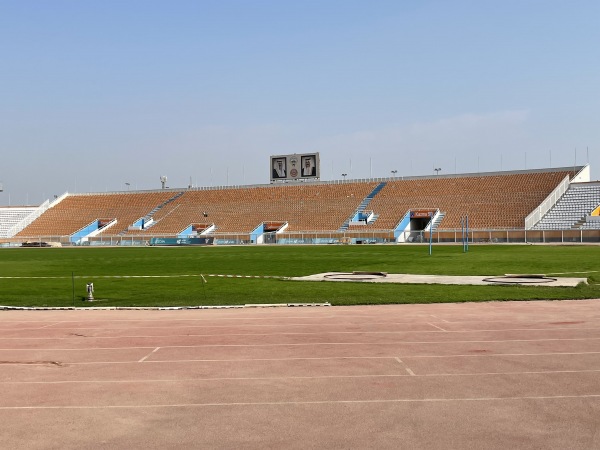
(68, 271)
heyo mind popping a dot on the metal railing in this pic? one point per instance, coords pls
(512, 236)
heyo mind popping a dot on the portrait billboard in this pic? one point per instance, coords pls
(295, 167)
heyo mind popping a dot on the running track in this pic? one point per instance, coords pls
(444, 376)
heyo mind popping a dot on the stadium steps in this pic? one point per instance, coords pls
(362, 206)
(571, 208)
(149, 216)
(437, 221)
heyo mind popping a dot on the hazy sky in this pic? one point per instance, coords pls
(96, 94)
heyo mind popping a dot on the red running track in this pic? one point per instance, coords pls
(443, 376)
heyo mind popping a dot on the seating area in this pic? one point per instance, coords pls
(78, 210)
(239, 210)
(11, 216)
(493, 201)
(571, 210)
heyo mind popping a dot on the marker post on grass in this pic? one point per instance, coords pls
(430, 240)
(464, 229)
(467, 232)
(462, 233)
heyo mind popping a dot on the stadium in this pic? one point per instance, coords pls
(192, 318)
(553, 205)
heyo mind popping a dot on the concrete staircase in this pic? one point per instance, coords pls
(436, 222)
(363, 206)
(148, 221)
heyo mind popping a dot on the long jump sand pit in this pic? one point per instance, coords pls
(473, 375)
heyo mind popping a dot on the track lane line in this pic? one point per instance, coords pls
(323, 402)
(314, 377)
(410, 372)
(149, 354)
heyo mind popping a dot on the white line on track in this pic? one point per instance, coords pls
(179, 361)
(410, 372)
(49, 325)
(20, 338)
(435, 326)
(316, 402)
(149, 354)
(587, 319)
(309, 344)
(436, 317)
(314, 377)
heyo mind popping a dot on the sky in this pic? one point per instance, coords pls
(111, 95)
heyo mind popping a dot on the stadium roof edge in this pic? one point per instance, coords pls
(575, 169)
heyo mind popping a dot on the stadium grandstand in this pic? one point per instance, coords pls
(541, 205)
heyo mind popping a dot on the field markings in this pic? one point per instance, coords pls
(438, 318)
(435, 326)
(46, 326)
(309, 344)
(149, 354)
(587, 319)
(156, 336)
(144, 276)
(410, 373)
(307, 333)
(324, 358)
(313, 402)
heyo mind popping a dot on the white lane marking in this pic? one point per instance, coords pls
(587, 319)
(49, 325)
(267, 334)
(480, 355)
(84, 363)
(314, 377)
(435, 326)
(436, 317)
(410, 372)
(316, 402)
(149, 354)
(303, 344)
(327, 358)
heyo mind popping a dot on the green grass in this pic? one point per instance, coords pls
(92, 264)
